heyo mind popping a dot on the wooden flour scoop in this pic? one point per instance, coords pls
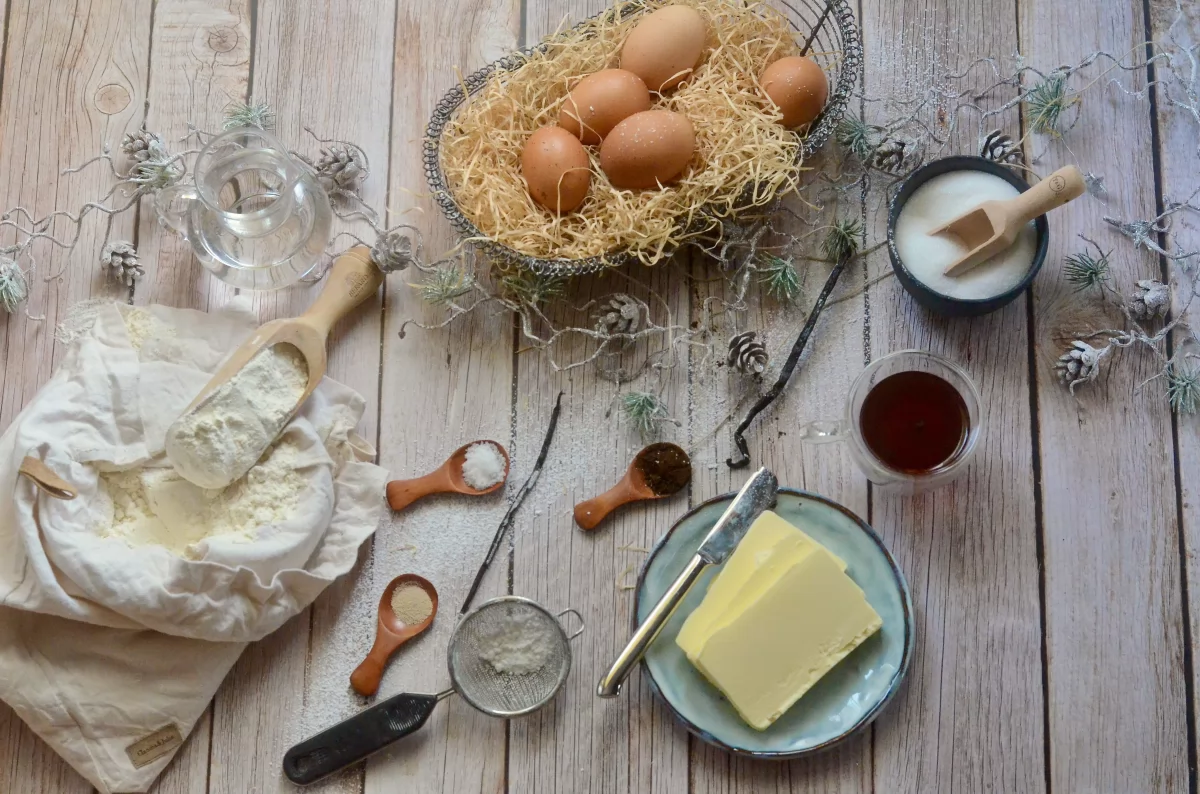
(993, 226)
(352, 279)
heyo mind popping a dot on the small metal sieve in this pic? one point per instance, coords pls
(508, 657)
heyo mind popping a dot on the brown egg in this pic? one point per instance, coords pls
(798, 87)
(664, 47)
(556, 169)
(601, 101)
(648, 149)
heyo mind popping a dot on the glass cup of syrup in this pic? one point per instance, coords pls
(913, 420)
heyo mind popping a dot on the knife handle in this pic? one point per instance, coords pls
(610, 684)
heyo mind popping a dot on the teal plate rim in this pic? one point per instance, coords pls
(868, 717)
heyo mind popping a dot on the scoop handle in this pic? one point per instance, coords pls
(352, 279)
(45, 478)
(589, 513)
(1062, 186)
(352, 740)
(366, 677)
(402, 493)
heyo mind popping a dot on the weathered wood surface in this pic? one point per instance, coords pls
(970, 717)
(1051, 584)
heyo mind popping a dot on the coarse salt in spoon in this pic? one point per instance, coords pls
(407, 608)
(448, 478)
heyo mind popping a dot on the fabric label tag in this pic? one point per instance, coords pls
(150, 748)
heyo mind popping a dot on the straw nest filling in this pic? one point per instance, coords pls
(744, 157)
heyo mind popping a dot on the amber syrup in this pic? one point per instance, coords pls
(914, 422)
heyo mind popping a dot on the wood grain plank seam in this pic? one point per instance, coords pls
(1039, 526)
(4, 47)
(1165, 275)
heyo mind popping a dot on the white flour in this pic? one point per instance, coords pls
(218, 441)
(155, 506)
(518, 643)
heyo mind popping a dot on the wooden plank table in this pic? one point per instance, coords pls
(1055, 621)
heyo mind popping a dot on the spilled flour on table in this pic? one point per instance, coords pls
(155, 506)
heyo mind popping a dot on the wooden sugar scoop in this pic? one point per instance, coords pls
(657, 472)
(352, 279)
(448, 478)
(390, 633)
(994, 225)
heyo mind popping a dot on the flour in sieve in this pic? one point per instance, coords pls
(218, 441)
(518, 643)
(155, 506)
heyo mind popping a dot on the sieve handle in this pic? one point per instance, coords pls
(354, 739)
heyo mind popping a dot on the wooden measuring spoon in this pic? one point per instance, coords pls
(352, 279)
(658, 471)
(448, 478)
(45, 479)
(994, 225)
(390, 634)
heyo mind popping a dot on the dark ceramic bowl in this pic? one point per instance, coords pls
(936, 301)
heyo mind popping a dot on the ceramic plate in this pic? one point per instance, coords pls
(841, 703)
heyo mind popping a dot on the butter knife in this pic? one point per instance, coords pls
(756, 496)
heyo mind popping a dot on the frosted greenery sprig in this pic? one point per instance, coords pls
(858, 137)
(645, 411)
(780, 278)
(250, 114)
(1183, 388)
(531, 289)
(1085, 270)
(1046, 102)
(843, 239)
(444, 285)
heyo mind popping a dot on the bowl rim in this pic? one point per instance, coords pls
(964, 162)
(845, 26)
(867, 718)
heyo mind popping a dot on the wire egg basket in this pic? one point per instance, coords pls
(832, 36)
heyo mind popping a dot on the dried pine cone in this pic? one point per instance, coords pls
(620, 314)
(1000, 148)
(1150, 300)
(340, 167)
(14, 288)
(1079, 365)
(393, 251)
(747, 355)
(120, 259)
(891, 155)
(142, 145)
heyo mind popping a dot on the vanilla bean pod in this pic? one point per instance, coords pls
(511, 515)
(789, 366)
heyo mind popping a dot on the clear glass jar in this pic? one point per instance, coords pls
(255, 215)
(849, 429)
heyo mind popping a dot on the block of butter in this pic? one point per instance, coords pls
(778, 617)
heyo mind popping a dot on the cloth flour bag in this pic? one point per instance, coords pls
(123, 609)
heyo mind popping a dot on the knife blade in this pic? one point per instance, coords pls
(756, 495)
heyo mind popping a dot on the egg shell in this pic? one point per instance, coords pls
(647, 149)
(556, 169)
(798, 87)
(601, 101)
(665, 46)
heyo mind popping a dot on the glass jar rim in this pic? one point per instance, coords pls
(291, 176)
